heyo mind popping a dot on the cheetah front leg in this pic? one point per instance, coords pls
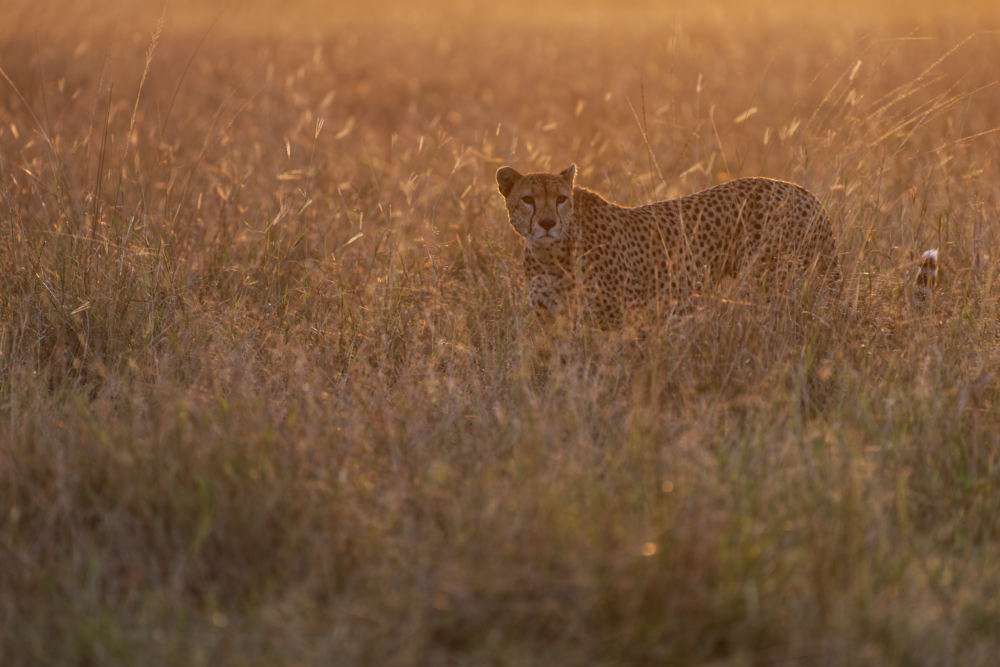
(547, 294)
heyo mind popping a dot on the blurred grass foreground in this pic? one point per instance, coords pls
(271, 393)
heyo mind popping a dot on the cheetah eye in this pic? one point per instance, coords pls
(561, 199)
(530, 201)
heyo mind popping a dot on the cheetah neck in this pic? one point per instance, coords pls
(557, 258)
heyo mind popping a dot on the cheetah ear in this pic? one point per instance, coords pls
(507, 178)
(569, 174)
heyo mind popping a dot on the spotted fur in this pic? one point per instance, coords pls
(623, 257)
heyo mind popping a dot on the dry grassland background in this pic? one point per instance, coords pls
(271, 393)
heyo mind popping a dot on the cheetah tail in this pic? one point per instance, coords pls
(927, 276)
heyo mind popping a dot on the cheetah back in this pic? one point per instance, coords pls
(671, 248)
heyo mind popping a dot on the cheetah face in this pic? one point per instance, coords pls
(539, 206)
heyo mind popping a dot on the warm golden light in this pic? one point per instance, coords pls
(271, 390)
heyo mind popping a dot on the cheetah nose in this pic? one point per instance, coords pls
(547, 223)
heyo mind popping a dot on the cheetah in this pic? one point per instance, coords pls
(618, 257)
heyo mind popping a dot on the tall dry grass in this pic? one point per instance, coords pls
(271, 392)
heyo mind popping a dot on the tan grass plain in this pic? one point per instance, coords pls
(270, 392)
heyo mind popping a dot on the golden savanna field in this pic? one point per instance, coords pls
(271, 392)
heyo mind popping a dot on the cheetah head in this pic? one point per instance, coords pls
(539, 206)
